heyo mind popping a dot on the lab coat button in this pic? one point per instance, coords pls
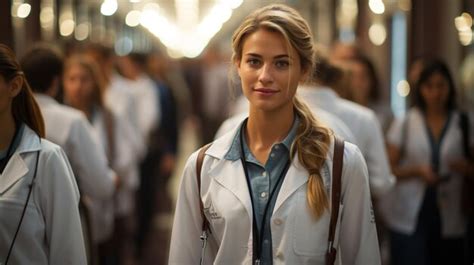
(279, 255)
(278, 221)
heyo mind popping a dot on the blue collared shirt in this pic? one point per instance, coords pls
(263, 179)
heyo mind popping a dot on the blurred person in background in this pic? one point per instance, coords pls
(70, 129)
(428, 152)
(366, 91)
(215, 92)
(362, 121)
(83, 90)
(133, 68)
(264, 186)
(39, 198)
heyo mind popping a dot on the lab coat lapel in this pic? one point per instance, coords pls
(232, 177)
(16, 167)
(296, 176)
(14, 171)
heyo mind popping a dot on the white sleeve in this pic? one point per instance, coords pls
(149, 108)
(358, 235)
(381, 178)
(89, 162)
(185, 247)
(59, 202)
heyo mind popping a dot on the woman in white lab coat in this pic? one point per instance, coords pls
(432, 159)
(39, 215)
(83, 90)
(258, 212)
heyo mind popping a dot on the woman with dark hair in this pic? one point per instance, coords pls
(365, 89)
(39, 215)
(426, 150)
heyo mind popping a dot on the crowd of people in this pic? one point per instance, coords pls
(306, 164)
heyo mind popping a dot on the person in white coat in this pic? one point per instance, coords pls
(364, 126)
(431, 155)
(265, 185)
(66, 126)
(84, 90)
(39, 214)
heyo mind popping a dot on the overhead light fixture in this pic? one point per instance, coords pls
(377, 6)
(108, 7)
(24, 10)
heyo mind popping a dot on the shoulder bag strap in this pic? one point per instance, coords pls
(335, 197)
(200, 160)
(110, 131)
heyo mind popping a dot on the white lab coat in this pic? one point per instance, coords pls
(148, 104)
(401, 206)
(366, 129)
(51, 229)
(124, 163)
(296, 237)
(69, 128)
(120, 99)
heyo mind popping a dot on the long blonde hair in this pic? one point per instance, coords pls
(312, 140)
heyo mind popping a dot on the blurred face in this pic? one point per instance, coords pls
(435, 91)
(78, 86)
(270, 72)
(360, 82)
(8, 91)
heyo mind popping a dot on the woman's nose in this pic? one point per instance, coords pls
(265, 74)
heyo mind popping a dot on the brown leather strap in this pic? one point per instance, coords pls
(110, 132)
(335, 197)
(199, 162)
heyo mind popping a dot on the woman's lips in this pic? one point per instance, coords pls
(265, 91)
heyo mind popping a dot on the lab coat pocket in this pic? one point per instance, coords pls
(310, 235)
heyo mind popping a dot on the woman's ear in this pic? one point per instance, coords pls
(15, 86)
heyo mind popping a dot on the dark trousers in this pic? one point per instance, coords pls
(426, 246)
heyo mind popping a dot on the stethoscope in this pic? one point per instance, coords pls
(9, 155)
(258, 235)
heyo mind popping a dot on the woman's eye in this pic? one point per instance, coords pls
(253, 62)
(282, 64)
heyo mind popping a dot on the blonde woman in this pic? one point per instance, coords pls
(265, 186)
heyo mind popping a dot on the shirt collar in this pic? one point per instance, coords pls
(234, 151)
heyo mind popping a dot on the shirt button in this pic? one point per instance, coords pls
(263, 194)
(278, 221)
(266, 241)
(277, 147)
(272, 155)
(264, 174)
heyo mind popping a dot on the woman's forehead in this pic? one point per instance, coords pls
(266, 42)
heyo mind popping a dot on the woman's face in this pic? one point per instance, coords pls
(435, 91)
(8, 91)
(5, 99)
(270, 72)
(78, 86)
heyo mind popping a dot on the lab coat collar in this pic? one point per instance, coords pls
(230, 174)
(16, 167)
(45, 100)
